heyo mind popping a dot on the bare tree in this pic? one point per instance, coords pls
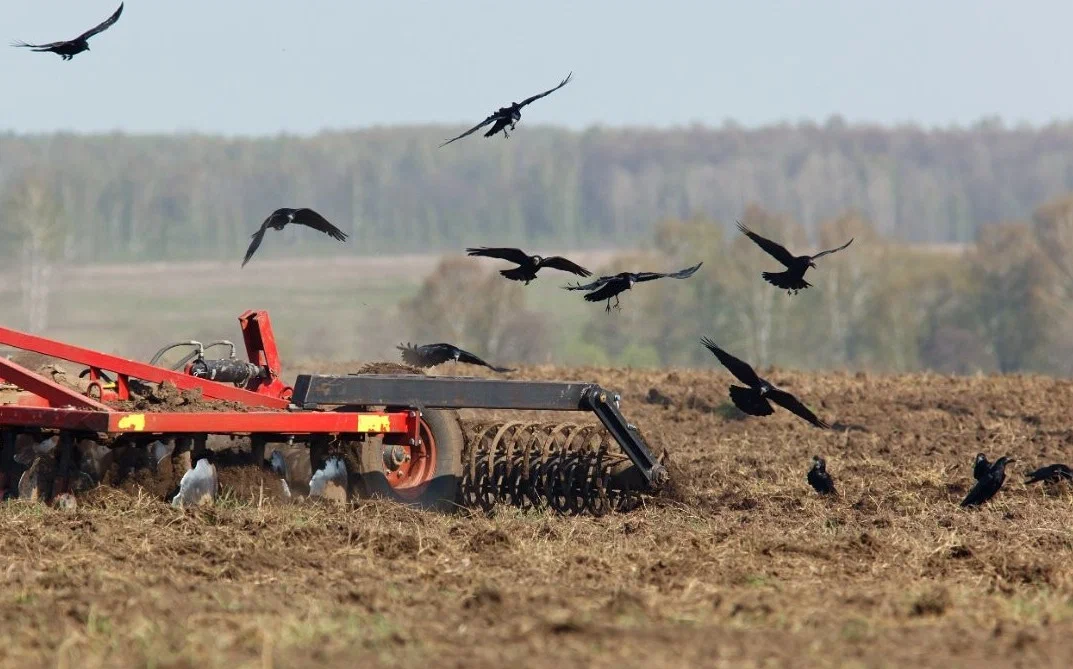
(35, 231)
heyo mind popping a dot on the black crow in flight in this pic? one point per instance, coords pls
(278, 219)
(754, 399)
(988, 484)
(607, 287)
(528, 265)
(431, 355)
(980, 466)
(505, 117)
(67, 49)
(1050, 473)
(818, 477)
(793, 279)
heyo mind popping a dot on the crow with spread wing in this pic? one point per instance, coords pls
(607, 287)
(69, 48)
(988, 484)
(754, 400)
(507, 117)
(793, 279)
(282, 217)
(1050, 474)
(431, 355)
(980, 466)
(528, 265)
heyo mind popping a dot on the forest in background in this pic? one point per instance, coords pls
(175, 197)
(993, 296)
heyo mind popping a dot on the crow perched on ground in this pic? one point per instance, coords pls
(528, 265)
(980, 466)
(67, 49)
(754, 399)
(278, 219)
(818, 477)
(793, 279)
(607, 287)
(431, 355)
(505, 117)
(1050, 474)
(988, 484)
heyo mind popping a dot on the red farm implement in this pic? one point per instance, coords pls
(399, 431)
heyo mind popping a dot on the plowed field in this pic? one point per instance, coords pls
(744, 566)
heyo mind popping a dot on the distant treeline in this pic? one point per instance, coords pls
(185, 196)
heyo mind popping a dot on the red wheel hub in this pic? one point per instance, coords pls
(410, 466)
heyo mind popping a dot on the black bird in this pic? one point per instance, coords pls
(68, 49)
(754, 399)
(607, 287)
(431, 355)
(528, 265)
(505, 117)
(980, 466)
(818, 477)
(278, 219)
(1050, 473)
(988, 484)
(793, 279)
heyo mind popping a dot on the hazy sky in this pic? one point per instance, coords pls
(266, 66)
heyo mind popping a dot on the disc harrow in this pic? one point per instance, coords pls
(571, 468)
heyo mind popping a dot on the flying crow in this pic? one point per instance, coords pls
(988, 484)
(282, 217)
(69, 48)
(1050, 473)
(607, 287)
(793, 279)
(431, 355)
(505, 117)
(980, 466)
(528, 265)
(754, 399)
(818, 477)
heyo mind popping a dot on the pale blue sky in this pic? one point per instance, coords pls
(266, 66)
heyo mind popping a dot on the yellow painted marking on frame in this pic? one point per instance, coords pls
(368, 423)
(135, 421)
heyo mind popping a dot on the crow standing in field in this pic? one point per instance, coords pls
(1050, 473)
(980, 466)
(607, 287)
(431, 355)
(528, 265)
(280, 218)
(818, 477)
(754, 400)
(793, 279)
(988, 484)
(507, 117)
(69, 48)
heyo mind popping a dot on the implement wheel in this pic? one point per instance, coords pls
(426, 474)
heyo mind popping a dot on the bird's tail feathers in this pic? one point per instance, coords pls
(515, 274)
(785, 281)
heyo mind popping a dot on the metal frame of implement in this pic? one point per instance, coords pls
(43, 403)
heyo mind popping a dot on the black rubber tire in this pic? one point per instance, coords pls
(440, 493)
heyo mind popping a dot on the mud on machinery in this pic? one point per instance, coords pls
(398, 433)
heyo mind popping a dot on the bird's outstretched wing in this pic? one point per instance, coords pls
(258, 237)
(791, 403)
(513, 255)
(561, 263)
(547, 92)
(823, 253)
(739, 368)
(423, 356)
(777, 251)
(467, 357)
(39, 46)
(104, 25)
(680, 274)
(314, 220)
(472, 130)
(590, 286)
(980, 466)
